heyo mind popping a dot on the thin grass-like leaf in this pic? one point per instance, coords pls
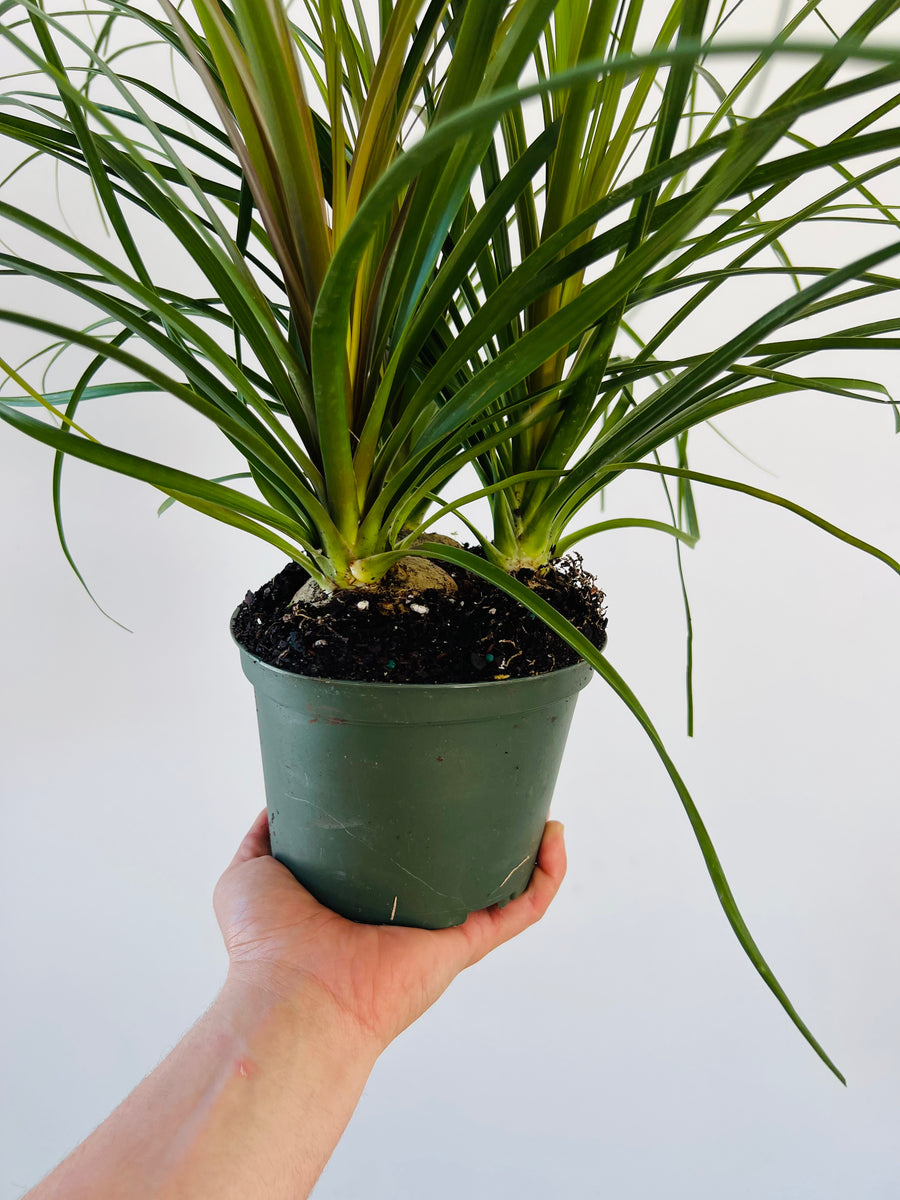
(602, 666)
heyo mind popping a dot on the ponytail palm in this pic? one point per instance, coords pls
(438, 237)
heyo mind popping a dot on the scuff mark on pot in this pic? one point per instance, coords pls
(327, 821)
(342, 825)
(503, 882)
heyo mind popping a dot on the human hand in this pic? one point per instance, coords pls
(382, 977)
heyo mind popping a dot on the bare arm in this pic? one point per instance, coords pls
(251, 1103)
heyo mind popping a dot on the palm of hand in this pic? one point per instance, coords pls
(382, 976)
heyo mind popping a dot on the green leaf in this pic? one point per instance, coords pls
(167, 503)
(601, 665)
(96, 391)
(572, 539)
(734, 485)
(180, 484)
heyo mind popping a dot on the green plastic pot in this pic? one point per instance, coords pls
(410, 803)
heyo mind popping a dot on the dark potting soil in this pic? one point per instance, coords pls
(476, 634)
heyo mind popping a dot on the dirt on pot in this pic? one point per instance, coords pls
(473, 634)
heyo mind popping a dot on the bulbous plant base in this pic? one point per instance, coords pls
(409, 575)
(412, 804)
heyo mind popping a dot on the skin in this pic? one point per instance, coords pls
(253, 1100)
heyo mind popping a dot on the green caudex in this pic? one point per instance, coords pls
(446, 244)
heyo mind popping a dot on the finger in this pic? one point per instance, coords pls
(256, 842)
(486, 930)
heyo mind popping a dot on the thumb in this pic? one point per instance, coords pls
(491, 927)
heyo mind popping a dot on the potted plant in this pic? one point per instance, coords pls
(411, 277)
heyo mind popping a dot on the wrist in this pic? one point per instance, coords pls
(301, 1007)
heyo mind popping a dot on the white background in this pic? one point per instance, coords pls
(624, 1048)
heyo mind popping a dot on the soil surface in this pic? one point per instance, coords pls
(477, 633)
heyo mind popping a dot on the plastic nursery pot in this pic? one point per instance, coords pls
(410, 803)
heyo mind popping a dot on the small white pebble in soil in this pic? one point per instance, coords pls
(492, 611)
(419, 608)
(320, 642)
(363, 605)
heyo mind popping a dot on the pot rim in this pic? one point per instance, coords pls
(353, 701)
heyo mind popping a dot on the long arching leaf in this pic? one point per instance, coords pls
(601, 665)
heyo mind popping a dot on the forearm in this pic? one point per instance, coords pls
(249, 1104)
